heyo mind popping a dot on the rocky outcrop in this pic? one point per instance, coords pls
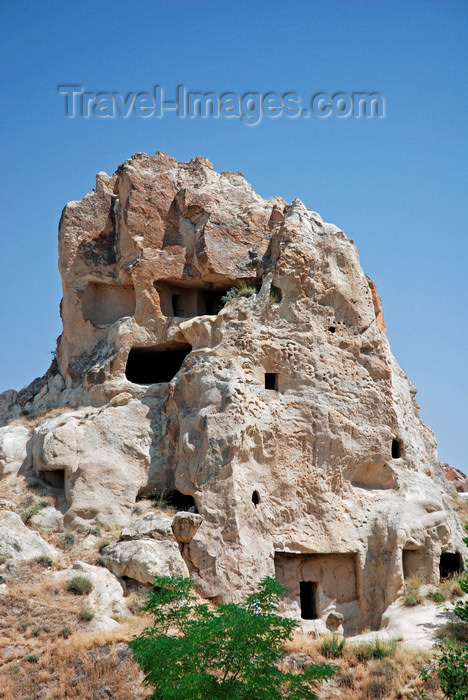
(274, 411)
(144, 559)
(107, 595)
(18, 542)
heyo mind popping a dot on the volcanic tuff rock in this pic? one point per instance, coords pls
(279, 418)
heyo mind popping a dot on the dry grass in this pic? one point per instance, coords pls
(47, 650)
(394, 677)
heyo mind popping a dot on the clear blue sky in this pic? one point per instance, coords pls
(397, 185)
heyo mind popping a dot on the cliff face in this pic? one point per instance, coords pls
(281, 415)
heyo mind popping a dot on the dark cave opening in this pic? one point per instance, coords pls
(396, 449)
(308, 593)
(450, 563)
(155, 365)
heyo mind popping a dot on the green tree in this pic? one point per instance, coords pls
(232, 651)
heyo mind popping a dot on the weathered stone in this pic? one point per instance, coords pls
(185, 525)
(13, 448)
(141, 560)
(19, 542)
(48, 518)
(279, 414)
(148, 525)
(334, 621)
(107, 595)
(103, 455)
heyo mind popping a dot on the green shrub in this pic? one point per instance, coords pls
(65, 632)
(436, 597)
(86, 615)
(30, 512)
(80, 585)
(241, 290)
(332, 647)
(32, 658)
(224, 651)
(67, 540)
(45, 560)
(275, 295)
(412, 597)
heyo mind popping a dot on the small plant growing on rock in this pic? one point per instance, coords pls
(65, 632)
(412, 597)
(30, 512)
(67, 540)
(44, 560)
(86, 615)
(80, 585)
(228, 651)
(241, 290)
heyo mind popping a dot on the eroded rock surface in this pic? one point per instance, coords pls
(280, 418)
(19, 542)
(143, 559)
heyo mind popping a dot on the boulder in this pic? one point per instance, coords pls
(141, 560)
(13, 448)
(19, 542)
(107, 595)
(150, 524)
(185, 525)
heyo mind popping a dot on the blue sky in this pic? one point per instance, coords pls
(396, 185)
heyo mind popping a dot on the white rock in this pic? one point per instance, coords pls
(19, 542)
(151, 524)
(107, 596)
(13, 448)
(48, 518)
(141, 560)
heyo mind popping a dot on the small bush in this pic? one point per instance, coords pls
(45, 560)
(65, 632)
(275, 295)
(32, 658)
(86, 615)
(332, 647)
(412, 597)
(67, 540)
(80, 585)
(36, 631)
(454, 633)
(436, 597)
(384, 649)
(241, 290)
(450, 588)
(30, 512)
(2, 560)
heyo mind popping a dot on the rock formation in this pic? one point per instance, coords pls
(276, 420)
